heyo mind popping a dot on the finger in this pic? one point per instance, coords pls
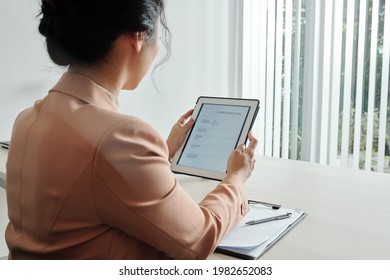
(187, 115)
(252, 145)
(241, 148)
(253, 142)
(188, 124)
(183, 118)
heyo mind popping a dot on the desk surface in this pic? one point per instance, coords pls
(348, 210)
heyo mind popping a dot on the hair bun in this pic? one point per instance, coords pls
(48, 12)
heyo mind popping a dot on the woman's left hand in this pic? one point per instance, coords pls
(178, 133)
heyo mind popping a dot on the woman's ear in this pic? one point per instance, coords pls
(137, 40)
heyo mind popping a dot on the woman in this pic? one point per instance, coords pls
(86, 182)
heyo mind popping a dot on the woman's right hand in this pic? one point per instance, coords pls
(242, 160)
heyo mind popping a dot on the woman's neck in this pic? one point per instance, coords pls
(103, 76)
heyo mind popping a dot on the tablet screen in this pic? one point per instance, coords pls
(214, 136)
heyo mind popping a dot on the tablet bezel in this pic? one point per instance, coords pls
(253, 105)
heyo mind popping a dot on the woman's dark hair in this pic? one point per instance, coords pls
(84, 31)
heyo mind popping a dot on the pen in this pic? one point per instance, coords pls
(273, 206)
(274, 218)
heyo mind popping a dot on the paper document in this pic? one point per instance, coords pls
(251, 241)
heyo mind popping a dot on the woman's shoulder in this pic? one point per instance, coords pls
(128, 128)
(130, 123)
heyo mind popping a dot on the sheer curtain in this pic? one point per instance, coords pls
(321, 71)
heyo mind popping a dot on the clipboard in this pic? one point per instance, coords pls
(251, 242)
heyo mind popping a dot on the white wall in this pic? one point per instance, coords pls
(203, 62)
(25, 73)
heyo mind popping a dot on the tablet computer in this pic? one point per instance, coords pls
(221, 124)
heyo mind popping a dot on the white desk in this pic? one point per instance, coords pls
(349, 210)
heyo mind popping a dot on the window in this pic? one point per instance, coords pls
(321, 71)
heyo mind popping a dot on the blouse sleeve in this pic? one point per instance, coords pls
(137, 193)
